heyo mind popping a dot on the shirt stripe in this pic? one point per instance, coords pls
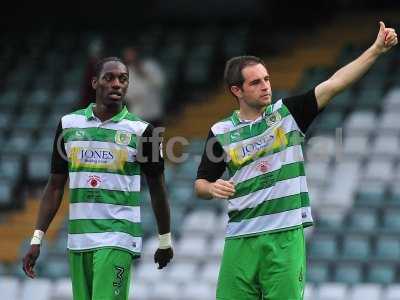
(104, 225)
(280, 189)
(104, 211)
(90, 195)
(106, 181)
(266, 180)
(104, 239)
(265, 223)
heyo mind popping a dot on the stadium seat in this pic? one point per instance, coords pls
(216, 247)
(378, 170)
(147, 272)
(329, 220)
(356, 247)
(331, 291)
(323, 247)
(321, 148)
(192, 248)
(209, 272)
(19, 142)
(394, 198)
(199, 221)
(366, 291)
(11, 167)
(387, 248)
(392, 292)
(363, 220)
(149, 247)
(391, 221)
(6, 187)
(139, 291)
(9, 287)
(38, 167)
(55, 268)
(165, 290)
(388, 123)
(386, 146)
(369, 98)
(41, 288)
(197, 291)
(383, 274)
(371, 194)
(181, 194)
(361, 122)
(318, 272)
(62, 289)
(310, 292)
(348, 273)
(356, 146)
(317, 172)
(182, 272)
(391, 101)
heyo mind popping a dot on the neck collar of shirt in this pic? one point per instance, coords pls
(89, 114)
(236, 120)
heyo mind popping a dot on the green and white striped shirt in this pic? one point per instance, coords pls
(265, 161)
(104, 180)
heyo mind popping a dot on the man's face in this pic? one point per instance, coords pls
(112, 84)
(256, 89)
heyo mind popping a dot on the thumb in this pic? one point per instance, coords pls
(381, 27)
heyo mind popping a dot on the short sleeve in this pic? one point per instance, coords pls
(212, 164)
(59, 162)
(149, 147)
(304, 109)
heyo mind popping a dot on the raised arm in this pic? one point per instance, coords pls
(350, 73)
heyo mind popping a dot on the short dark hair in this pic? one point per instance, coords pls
(100, 64)
(233, 69)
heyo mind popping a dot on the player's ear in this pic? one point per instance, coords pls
(236, 91)
(94, 82)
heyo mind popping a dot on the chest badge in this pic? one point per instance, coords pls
(273, 119)
(123, 137)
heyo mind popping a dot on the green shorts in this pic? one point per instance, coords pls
(102, 274)
(270, 266)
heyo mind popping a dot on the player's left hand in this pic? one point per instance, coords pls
(163, 256)
(386, 39)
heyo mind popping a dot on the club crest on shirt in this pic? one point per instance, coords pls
(123, 137)
(273, 119)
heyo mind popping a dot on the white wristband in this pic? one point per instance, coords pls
(37, 237)
(165, 241)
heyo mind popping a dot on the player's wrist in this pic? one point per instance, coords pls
(165, 241)
(37, 237)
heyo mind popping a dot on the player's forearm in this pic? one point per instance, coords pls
(345, 76)
(159, 203)
(202, 189)
(353, 71)
(51, 201)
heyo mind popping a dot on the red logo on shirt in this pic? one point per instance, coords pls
(94, 181)
(262, 166)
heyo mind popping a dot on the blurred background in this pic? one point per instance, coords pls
(176, 52)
